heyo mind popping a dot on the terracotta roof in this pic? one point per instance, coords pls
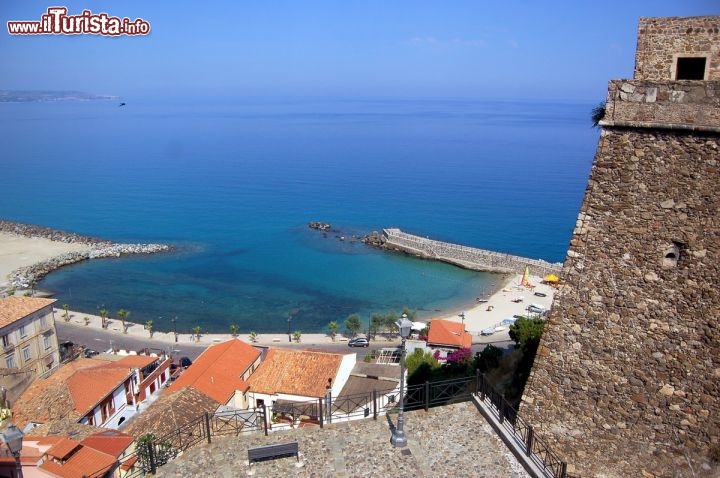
(90, 385)
(218, 370)
(31, 452)
(63, 448)
(112, 442)
(136, 361)
(73, 390)
(15, 308)
(42, 439)
(49, 398)
(294, 372)
(171, 411)
(84, 462)
(449, 333)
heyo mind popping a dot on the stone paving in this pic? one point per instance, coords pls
(449, 441)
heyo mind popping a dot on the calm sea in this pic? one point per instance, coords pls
(233, 183)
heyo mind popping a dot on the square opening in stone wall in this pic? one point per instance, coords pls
(690, 68)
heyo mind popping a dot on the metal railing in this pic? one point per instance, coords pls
(534, 446)
(152, 452)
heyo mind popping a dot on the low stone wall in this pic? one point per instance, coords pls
(466, 257)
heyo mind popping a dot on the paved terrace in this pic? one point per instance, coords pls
(448, 441)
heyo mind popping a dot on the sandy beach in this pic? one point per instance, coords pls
(18, 251)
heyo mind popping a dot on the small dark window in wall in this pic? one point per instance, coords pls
(692, 68)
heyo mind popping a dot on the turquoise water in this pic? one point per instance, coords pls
(233, 183)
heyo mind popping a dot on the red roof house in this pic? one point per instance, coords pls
(221, 371)
(448, 334)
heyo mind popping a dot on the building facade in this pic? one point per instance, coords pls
(29, 339)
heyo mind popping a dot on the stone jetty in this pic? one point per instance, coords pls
(25, 277)
(471, 258)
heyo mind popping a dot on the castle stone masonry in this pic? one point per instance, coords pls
(627, 377)
(662, 41)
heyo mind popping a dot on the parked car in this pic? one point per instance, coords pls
(91, 353)
(358, 342)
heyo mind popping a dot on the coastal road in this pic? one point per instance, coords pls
(507, 347)
(102, 340)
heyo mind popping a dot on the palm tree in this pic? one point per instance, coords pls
(598, 113)
(66, 316)
(149, 327)
(296, 336)
(234, 330)
(103, 317)
(123, 314)
(196, 331)
(253, 336)
(333, 326)
(353, 324)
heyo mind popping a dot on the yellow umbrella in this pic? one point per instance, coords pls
(551, 278)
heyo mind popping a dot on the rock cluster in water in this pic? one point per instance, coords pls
(375, 239)
(320, 226)
(25, 277)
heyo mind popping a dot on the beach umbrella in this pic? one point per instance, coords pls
(551, 278)
(525, 277)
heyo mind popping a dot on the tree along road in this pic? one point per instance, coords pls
(102, 340)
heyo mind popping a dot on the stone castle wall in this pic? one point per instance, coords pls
(691, 105)
(661, 40)
(627, 376)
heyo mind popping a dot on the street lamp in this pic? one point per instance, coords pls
(462, 317)
(12, 437)
(289, 319)
(398, 438)
(174, 326)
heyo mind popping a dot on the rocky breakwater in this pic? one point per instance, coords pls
(375, 239)
(27, 276)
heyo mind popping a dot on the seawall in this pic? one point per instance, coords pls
(464, 256)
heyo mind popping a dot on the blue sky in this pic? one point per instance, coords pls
(459, 49)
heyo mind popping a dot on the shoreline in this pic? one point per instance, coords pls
(52, 249)
(28, 253)
(476, 319)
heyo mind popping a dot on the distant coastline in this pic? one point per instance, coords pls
(36, 96)
(77, 248)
